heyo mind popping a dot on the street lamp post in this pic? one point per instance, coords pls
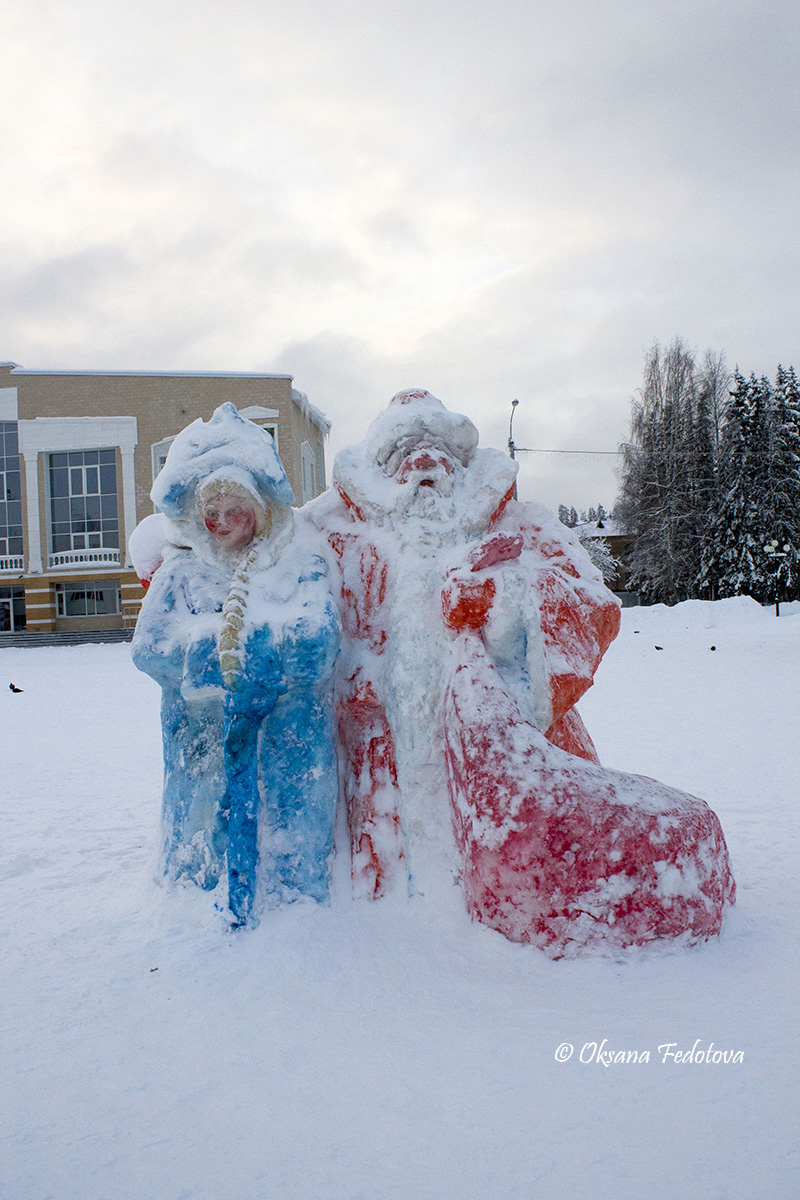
(512, 449)
(775, 555)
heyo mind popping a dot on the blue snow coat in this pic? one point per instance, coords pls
(276, 721)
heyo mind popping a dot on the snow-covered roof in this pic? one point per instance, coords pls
(17, 370)
(309, 410)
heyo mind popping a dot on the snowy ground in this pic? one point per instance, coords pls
(392, 1050)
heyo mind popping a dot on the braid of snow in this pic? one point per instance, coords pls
(233, 614)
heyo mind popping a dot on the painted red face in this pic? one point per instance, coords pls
(425, 464)
(230, 521)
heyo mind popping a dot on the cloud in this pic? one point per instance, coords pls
(489, 201)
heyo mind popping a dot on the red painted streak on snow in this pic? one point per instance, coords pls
(578, 631)
(503, 547)
(370, 786)
(498, 512)
(466, 603)
(407, 396)
(364, 578)
(367, 744)
(146, 580)
(569, 733)
(350, 504)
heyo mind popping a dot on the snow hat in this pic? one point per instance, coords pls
(416, 416)
(241, 451)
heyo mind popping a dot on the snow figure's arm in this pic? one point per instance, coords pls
(159, 642)
(492, 593)
(544, 613)
(513, 636)
(578, 616)
(202, 674)
(577, 631)
(313, 639)
(148, 545)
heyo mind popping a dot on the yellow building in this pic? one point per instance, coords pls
(79, 451)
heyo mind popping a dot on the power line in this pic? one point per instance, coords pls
(534, 450)
(514, 449)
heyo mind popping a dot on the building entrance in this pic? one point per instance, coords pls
(12, 609)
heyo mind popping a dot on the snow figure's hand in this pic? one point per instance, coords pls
(502, 547)
(258, 699)
(147, 545)
(467, 601)
(310, 646)
(257, 686)
(513, 636)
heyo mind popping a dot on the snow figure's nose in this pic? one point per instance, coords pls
(424, 460)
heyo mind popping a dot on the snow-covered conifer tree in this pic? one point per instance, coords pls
(783, 513)
(658, 500)
(712, 396)
(742, 526)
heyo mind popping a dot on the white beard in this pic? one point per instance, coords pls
(423, 517)
(416, 658)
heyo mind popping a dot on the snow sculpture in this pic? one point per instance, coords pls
(472, 624)
(239, 628)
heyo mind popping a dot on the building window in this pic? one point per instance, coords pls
(272, 430)
(83, 500)
(160, 452)
(89, 598)
(10, 493)
(12, 609)
(266, 418)
(320, 467)
(308, 464)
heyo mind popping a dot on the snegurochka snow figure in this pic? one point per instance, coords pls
(472, 624)
(240, 630)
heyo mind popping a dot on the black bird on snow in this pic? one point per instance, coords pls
(12, 687)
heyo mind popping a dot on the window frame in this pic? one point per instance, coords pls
(86, 534)
(86, 586)
(308, 460)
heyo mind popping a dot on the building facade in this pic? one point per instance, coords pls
(79, 451)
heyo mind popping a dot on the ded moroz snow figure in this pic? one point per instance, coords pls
(240, 629)
(472, 624)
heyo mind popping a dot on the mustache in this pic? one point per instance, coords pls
(434, 481)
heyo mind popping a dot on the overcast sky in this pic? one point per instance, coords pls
(488, 200)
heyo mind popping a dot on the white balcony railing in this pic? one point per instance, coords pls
(12, 562)
(84, 558)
